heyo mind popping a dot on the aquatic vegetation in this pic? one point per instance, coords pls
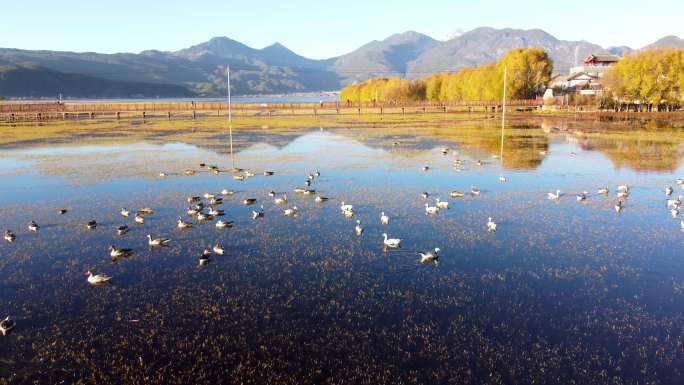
(560, 292)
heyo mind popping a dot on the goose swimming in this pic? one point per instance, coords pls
(62, 211)
(124, 211)
(491, 225)
(157, 241)
(358, 228)
(503, 179)
(7, 325)
(194, 199)
(281, 200)
(431, 209)
(674, 212)
(190, 172)
(249, 174)
(348, 213)
(97, 279)
(162, 174)
(268, 173)
(430, 256)
(623, 194)
(209, 195)
(291, 211)
(146, 211)
(204, 258)
(9, 236)
(216, 201)
(441, 204)
(320, 199)
(456, 194)
(618, 207)
(91, 225)
(623, 187)
(581, 196)
(117, 252)
(391, 242)
(239, 177)
(33, 226)
(346, 207)
(204, 217)
(215, 212)
(258, 214)
(674, 202)
(121, 230)
(218, 249)
(426, 168)
(475, 191)
(309, 192)
(226, 191)
(182, 224)
(603, 190)
(445, 150)
(384, 219)
(317, 173)
(249, 201)
(223, 224)
(668, 190)
(424, 195)
(192, 211)
(554, 196)
(139, 219)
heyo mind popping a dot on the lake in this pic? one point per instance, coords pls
(564, 291)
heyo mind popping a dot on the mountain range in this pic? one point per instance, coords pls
(200, 70)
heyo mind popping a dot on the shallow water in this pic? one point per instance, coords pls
(563, 292)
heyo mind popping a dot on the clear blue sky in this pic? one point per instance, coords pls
(318, 29)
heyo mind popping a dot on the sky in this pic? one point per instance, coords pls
(319, 29)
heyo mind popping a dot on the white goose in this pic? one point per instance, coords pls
(33, 226)
(442, 204)
(97, 279)
(623, 187)
(291, 212)
(623, 194)
(226, 191)
(618, 207)
(674, 212)
(223, 224)
(183, 225)
(603, 190)
(346, 207)
(491, 225)
(554, 196)
(218, 249)
(125, 212)
(116, 252)
(348, 213)
(9, 236)
(581, 196)
(431, 209)
(391, 242)
(384, 219)
(358, 228)
(139, 219)
(281, 200)
(258, 214)
(7, 325)
(157, 241)
(430, 256)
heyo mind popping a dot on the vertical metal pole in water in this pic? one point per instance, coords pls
(230, 117)
(503, 118)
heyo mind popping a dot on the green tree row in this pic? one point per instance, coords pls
(654, 76)
(529, 70)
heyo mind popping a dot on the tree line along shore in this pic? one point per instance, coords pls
(646, 78)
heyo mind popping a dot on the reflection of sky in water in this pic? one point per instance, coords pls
(551, 267)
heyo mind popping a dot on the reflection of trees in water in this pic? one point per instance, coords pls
(639, 155)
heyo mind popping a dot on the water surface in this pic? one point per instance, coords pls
(563, 292)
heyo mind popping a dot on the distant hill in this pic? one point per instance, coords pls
(389, 57)
(668, 42)
(33, 82)
(200, 70)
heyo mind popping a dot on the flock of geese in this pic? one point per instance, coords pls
(208, 212)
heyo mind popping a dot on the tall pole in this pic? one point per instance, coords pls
(503, 113)
(230, 117)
